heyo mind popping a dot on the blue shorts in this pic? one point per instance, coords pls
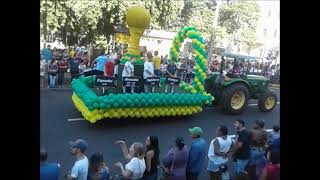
(257, 157)
(213, 166)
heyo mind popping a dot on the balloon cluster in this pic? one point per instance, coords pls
(200, 52)
(138, 112)
(92, 101)
(126, 57)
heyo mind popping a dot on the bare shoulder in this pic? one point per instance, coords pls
(150, 153)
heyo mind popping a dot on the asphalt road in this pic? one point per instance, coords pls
(56, 131)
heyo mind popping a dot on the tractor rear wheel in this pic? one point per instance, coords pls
(267, 101)
(234, 98)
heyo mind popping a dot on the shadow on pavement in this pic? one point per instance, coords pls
(107, 123)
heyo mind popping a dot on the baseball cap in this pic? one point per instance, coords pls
(196, 131)
(80, 144)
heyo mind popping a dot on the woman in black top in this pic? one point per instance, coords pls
(152, 158)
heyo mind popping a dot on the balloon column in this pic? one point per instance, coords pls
(141, 105)
(138, 19)
(200, 59)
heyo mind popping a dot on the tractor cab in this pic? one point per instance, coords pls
(238, 70)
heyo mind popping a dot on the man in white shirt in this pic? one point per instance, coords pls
(80, 169)
(128, 71)
(218, 152)
(148, 71)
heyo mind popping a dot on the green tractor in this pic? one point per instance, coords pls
(232, 91)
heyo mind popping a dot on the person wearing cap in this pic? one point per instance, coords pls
(176, 160)
(80, 169)
(197, 154)
(48, 171)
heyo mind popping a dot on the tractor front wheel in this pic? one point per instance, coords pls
(234, 98)
(267, 101)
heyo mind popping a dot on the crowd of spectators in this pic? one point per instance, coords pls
(240, 66)
(56, 64)
(255, 155)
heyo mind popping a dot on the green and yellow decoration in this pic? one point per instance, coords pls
(200, 59)
(141, 105)
(138, 19)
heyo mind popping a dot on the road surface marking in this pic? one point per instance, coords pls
(76, 119)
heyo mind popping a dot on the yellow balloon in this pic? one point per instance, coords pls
(174, 50)
(203, 46)
(194, 41)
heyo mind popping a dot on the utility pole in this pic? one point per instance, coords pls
(215, 21)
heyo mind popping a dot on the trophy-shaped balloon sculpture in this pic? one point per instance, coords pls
(138, 19)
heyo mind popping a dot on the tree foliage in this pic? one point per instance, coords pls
(240, 20)
(91, 21)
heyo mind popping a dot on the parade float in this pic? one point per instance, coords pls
(146, 105)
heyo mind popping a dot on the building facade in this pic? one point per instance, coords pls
(267, 44)
(268, 31)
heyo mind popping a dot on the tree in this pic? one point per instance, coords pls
(94, 21)
(199, 14)
(240, 19)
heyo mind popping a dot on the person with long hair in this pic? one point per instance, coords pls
(258, 149)
(135, 168)
(176, 160)
(152, 158)
(97, 168)
(272, 170)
